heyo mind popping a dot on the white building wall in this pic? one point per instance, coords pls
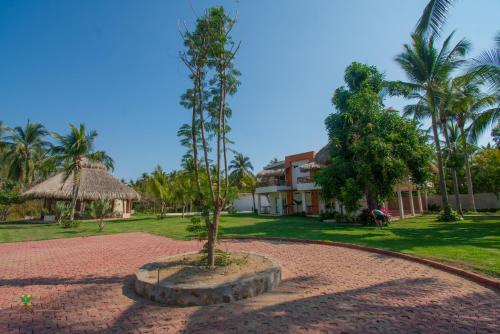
(296, 172)
(245, 202)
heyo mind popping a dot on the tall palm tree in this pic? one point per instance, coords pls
(428, 69)
(239, 166)
(473, 112)
(72, 150)
(24, 148)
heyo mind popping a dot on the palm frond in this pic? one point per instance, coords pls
(434, 16)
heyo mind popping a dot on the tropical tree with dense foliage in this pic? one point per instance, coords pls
(485, 170)
(71, 151)
(372, 149)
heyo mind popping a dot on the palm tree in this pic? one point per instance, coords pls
(3, 131)
(239, 166)
(24, 148)
(487, 66)
(249, 183)
(428, 70)
(473, 112)
(72, 150)
(159, 186)
(434, 16)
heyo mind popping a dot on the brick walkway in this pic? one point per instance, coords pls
(83, 285)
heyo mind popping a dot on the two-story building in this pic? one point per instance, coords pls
(288, 187)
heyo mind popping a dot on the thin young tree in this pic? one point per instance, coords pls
(99, 210)
(211, 50)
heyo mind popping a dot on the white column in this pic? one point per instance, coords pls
(280, 204)
(412, 205)
(420, 207)
(337, 206)
(304, 205)
(259, 204)
(400, 203)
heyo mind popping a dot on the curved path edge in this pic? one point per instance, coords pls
(490, 282)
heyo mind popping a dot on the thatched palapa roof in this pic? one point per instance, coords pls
(95, 183)
(310, 166)
(271, 172)
(323, 157)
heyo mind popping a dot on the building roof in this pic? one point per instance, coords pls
(95, 183)
(310, 166)
(323, 156)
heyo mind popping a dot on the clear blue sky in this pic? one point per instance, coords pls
(114, 66)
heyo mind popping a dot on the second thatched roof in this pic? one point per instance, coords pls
(95, 183)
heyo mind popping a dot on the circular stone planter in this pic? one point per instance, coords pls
(176, 287)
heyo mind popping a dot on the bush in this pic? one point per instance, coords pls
(433, 208)
(69, 224)
(365, 217)
(449, 216)
(328, 215)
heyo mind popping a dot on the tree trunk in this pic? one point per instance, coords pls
(74, 197)
(470, 188)
(212, 237)
(442, 182)
(456, 189)
(370, 200)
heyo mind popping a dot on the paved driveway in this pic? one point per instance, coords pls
(83, 285)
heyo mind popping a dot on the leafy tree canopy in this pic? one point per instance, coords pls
(372, 149)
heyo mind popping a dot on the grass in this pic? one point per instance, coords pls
(472, 244)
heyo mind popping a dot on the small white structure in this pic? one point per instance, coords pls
(245, 202)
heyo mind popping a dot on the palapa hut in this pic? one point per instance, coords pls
(95, 183)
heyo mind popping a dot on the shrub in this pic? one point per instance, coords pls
(449, 216)
(365, 217)
(61, 211)
(328, 215)
(69, 224)
(387, 213)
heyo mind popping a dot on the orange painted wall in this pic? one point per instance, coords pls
(288, 176)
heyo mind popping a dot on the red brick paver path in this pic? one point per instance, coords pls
(83, 285)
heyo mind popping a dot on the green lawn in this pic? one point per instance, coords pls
(472, 243)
